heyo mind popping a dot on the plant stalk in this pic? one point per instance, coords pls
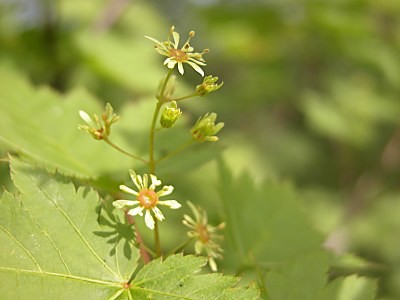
(108, 141)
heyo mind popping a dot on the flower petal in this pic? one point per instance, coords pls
(171, 63)
(134, 178)
(128, 190)
(136, 211)
(166, 61)
(195, 210)
(123, 203)
(180, 68)
(139, 181)
(198, 247)
(213, 264)
(175, 35)
(159, 215)
(154, 182)
(148, 219)
(197, 61)
(166, 190)
(153, 40)
(163, 51)
(173, 204)
(196, 67)
(145, 181)
(189, 221)
(85, 117)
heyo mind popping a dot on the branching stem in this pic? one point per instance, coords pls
(108, 141)
(176, 151)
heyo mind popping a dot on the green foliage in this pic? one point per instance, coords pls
(269, 233)
(50, 241)
(42, 125)
(54, 247)
(310, 98)
(279, 229)
(171, 279)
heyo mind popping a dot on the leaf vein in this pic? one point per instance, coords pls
(74, 227)
(22, 247)
(68, 276)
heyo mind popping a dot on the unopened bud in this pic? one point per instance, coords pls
(209, 85)
(205, 128)
(170, 115)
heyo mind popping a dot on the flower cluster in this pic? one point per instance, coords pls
(204, 234)
(176, 56)
(146, 198)
(98, 128)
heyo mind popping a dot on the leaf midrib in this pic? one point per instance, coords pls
(68, 276)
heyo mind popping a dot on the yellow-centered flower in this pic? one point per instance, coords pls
(176, 56)
(146, 198)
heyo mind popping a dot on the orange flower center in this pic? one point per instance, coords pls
(147, 198)
(204, 236)
(179, 55)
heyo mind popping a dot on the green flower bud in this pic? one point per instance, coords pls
(170, 115)
(98, 128)
(209, 85)
(205, 128)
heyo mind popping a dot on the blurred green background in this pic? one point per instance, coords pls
(311, 96)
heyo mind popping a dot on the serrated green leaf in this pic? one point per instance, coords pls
(51, 241)
(174, 279)
(55, 245)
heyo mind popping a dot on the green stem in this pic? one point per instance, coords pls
(108, 141)
(176, 151)
(161, 100)
(160, 97)
(157, 239)
(185, 97)
(152, 162)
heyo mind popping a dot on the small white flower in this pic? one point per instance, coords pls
(176, 56)
(147, 198)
